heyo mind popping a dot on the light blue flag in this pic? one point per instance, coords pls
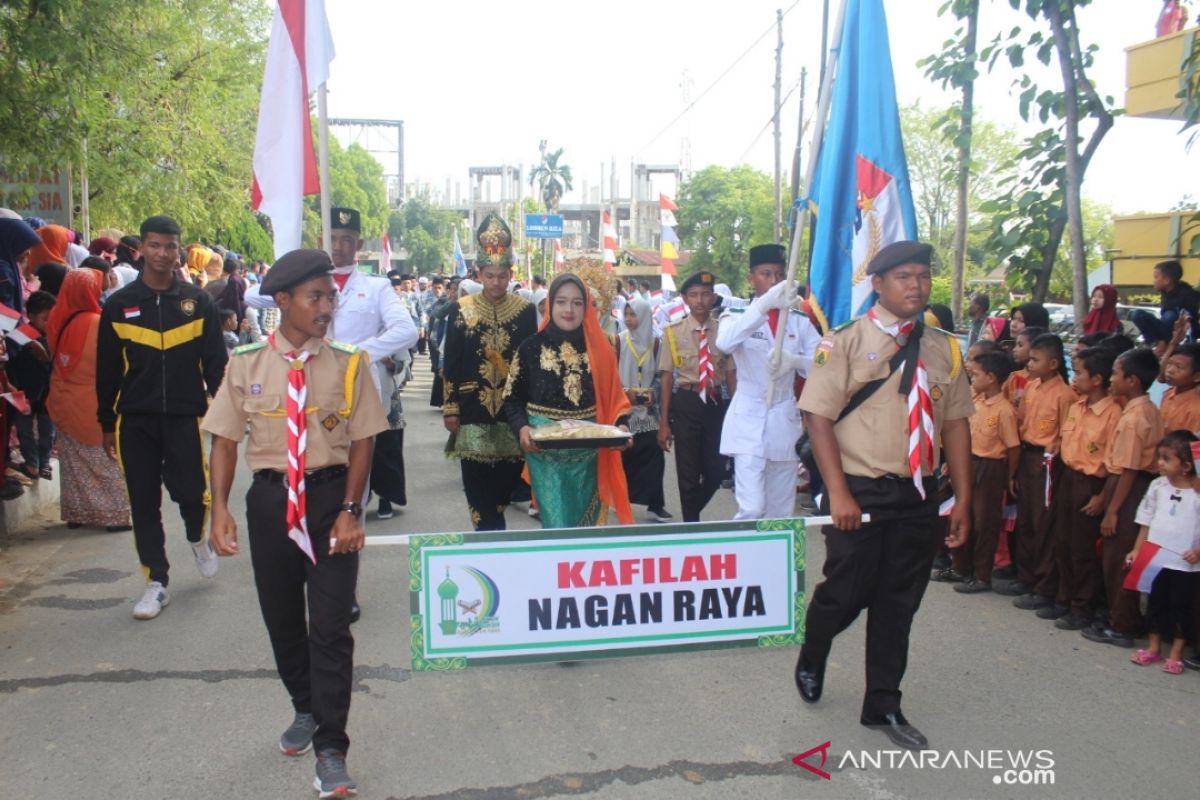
(860, 194)
(460, 263)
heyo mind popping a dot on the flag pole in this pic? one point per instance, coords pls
(824, 95)
(323, 144)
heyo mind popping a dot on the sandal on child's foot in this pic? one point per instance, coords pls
(1173, 667)
(46, 473)
(1144, 658)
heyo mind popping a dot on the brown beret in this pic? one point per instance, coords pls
(698, 279)
(898, 253)
(294, 269)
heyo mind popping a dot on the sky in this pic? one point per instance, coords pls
(482, 83)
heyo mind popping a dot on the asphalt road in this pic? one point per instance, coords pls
(94, 703)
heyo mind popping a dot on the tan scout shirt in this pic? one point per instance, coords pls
(1134, 443)
(993, 427)
(680, 351)
(343, 403)
(874, 438)
(1180, 412)
(1085, 435)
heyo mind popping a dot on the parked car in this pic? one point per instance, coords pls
(1129, 328)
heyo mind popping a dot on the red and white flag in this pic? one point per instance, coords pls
(385, 255)
(559, 261)
(9, 318)
(285, 166)
(23, 334)
(610, 240)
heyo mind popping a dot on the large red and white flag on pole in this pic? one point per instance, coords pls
(285, 165)
(559, 261)
(609, 243)
(385, 255)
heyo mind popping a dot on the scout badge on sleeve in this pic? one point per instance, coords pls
(824, 348)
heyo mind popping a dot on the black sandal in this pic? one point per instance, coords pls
(46, 473)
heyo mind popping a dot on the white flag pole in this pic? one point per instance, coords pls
(323, 156)
(814, 153)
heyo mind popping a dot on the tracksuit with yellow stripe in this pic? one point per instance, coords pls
(159, 355)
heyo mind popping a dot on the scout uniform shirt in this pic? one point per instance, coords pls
(343, 405)
(1135, 442)
(993, 427)
(680, 351)
(1044, 409)
(1181, 410)
(874, 437)
(1086, 433)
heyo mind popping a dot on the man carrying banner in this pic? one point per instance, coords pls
(883, 391)
(762, 440)
(312, 411)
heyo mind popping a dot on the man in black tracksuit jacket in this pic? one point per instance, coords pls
(160, 354)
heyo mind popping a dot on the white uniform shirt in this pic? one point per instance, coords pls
(1173, 517)
(750, 427)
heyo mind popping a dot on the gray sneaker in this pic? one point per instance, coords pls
(297, 739)
(332, 779)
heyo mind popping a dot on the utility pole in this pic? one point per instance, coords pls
(778, 140)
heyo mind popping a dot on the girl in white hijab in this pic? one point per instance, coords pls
(638, 366)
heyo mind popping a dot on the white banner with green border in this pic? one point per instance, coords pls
(571, 594)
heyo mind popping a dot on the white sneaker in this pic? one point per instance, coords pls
(207, 560)
(533, 512)
(153, 600)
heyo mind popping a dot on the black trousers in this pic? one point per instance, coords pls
(314, 656)
(387, 467)
(883, 568)
(157, 450)
(1171, 603)
(644, 465)
(489, 487)
(699, 464)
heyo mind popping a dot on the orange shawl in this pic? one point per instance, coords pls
(53, 249)
(78, 296)
(611, 404)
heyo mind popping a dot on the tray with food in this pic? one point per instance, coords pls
(575, 433)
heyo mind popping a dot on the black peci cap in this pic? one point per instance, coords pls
(345, 218)
(767, 254)
(898, 253)
(293, 269)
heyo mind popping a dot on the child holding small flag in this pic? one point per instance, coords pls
(29, 371)
(1131, 461)
(1165, 561)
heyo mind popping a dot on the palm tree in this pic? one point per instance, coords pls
(552, 179)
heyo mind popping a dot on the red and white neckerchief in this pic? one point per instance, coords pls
(707, 372)
(297, 442)
(920, 405)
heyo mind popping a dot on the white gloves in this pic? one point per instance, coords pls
(778, 296)
(788, 365)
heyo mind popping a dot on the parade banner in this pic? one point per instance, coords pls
(571, 594)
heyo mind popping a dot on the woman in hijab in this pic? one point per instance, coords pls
(16, 239)
(568, 370)
(1103, 316)
(53, 250)
(93, 491)
(644, 463)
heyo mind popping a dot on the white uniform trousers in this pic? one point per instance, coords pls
(764, 489)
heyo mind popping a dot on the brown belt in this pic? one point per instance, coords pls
(693, 387)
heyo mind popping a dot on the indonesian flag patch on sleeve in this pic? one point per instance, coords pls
(132, 311)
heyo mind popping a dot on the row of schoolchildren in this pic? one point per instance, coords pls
(1095, 470)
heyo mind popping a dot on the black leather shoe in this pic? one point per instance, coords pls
(1004, 573)
(810, 680)
(1052, 611)
(898, 730)
(973, 586)
(1032, 602)
(1105, 635)
(1072, 622)
(355, 611)
(946, 575)
(1011, 588)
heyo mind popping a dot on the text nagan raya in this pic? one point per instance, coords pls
(626, 608)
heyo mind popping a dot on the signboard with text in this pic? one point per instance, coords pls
(558, 595)
(37, 193)
(543, 226)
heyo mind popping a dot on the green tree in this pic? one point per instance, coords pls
(552, 179)
(722, 214)
(426, 231)
(155, 97)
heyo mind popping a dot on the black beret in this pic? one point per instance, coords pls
(699, 279)
(294, 269)
(767, 254)
(898, 253)
(344, 218)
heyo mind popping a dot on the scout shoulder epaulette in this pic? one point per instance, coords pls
(735, 310)
(845, 324)
(344, 347)
(242, 349)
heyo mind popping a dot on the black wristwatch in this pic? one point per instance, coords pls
(353, 509)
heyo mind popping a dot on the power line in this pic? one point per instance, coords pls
(713, 85)
(766, 127)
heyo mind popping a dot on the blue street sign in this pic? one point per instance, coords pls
(543, 226)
